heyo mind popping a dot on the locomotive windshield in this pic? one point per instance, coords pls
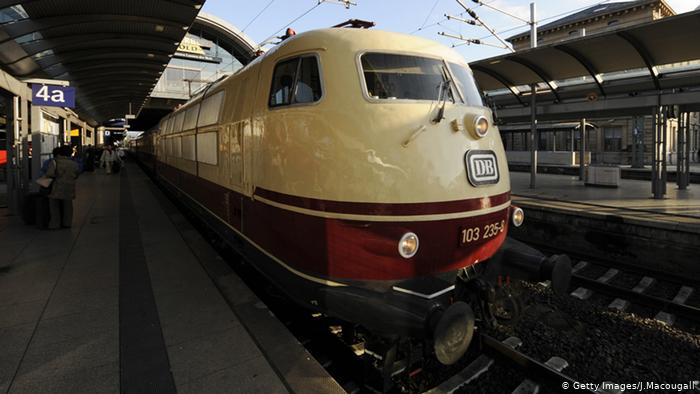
(465, 81)
(392, 76)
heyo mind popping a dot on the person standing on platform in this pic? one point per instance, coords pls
(64, 172)
(109, 158)
(89, 159)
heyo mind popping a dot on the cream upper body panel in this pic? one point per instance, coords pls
(349, 147)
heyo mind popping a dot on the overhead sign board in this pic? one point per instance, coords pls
(193, 49)
(53, 96)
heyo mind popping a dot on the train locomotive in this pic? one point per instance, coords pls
(361, 173)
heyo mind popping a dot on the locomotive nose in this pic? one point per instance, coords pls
(453, 332)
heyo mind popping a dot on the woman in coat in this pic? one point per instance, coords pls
(64, 172)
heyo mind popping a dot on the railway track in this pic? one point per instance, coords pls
(506, 351)
(668, 309)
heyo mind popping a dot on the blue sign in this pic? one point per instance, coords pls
(53, 96)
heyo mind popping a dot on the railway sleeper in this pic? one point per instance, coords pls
(472, 371)
(529, 386)
(681, 297)
(621, 304)
(583, 294)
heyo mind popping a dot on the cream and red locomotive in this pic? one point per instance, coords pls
(361, 173)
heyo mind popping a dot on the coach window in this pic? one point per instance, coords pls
(211, 106)
(177, 123)
(168, 125)
(207, 148)
(296, 81)
(191, 117)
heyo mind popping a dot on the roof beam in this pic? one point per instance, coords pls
(89, 44)
(110, 53)
(585, 63)
(187, 3)
(29, 26)
(543, 75)
(500, 78)
(644, 54)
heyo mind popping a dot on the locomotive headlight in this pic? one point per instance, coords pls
(481, 126)
(518, 216)
(408, 245)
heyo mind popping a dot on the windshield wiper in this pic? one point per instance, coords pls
(442, 96)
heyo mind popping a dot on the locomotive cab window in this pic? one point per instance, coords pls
(466, 84)
(296, 81)
(404, 77)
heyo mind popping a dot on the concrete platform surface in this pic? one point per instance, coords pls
(132, 299)
(631, 201)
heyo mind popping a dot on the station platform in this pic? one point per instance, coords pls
(626, 171)
(623, 224)
(632, 199)
(133, 299)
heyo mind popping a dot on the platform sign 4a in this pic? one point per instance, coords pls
(53, 95)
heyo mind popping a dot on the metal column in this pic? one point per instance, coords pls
(658, 168)
(638, 143)
(683, 152)
(582, 151)
(533, 105)
(13, 156)
(533, 137)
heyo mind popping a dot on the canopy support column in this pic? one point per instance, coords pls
(658, 168)
(683, 152)
(582, 151)
(533, 136)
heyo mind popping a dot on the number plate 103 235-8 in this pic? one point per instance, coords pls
(470, 235)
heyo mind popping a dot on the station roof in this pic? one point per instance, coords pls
(113, 52)
(594, 13)
(646, 46)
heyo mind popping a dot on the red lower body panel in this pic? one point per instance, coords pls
(339, 249)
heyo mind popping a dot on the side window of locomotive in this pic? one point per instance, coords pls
(295, 81)
(308, 87)
(403, 77)
(466, 83)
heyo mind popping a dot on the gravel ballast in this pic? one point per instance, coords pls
(600, 344)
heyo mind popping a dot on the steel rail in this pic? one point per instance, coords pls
(533, 369)
(684, 310)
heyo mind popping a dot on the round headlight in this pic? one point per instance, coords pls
(481, 126)
(408, 245)
(518, 216)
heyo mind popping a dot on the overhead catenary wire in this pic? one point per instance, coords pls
(479, 2)
(273, 35)
(484, 25)
(430, 13)
(266, 41)
(549, 18)
(258, 15)
(505, 30)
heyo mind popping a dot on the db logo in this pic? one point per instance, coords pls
(482, 167)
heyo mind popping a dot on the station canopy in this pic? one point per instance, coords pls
(670, 40)
(112, 52)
